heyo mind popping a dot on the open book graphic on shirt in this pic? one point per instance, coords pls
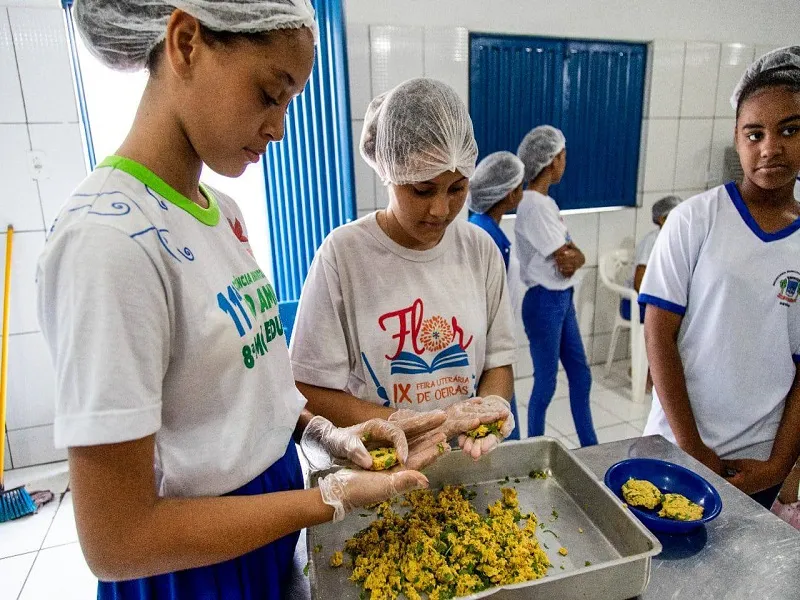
(410, 364)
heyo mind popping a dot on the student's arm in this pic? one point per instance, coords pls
(661, 340)
(339, 407)
(638, 276)
(497, 382)
(755, 475)
(569, 259)
(127, 531)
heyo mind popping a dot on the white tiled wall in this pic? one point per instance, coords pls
(37, 113)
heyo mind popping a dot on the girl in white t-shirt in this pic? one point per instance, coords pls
(406, 309)
(723, 289)
(549, 260)
(175, 396)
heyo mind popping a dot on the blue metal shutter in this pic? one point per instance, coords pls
(309, 175)
(593, 91)
(513, 81)
(602, 121)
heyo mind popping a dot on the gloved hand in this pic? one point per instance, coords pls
(466, 415)
(322, 441)
(478, 447)
(347, 489)
(426, 438)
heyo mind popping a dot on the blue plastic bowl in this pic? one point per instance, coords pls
(669, 478)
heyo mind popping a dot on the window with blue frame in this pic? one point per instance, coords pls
(309, 175)
(593, 91)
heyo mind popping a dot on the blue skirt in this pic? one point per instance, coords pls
(260, 574)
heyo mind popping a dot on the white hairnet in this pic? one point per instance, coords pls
(496, 176)
(122, 33)
(664, 206)
(416, 132)
(782, 59)
(539, 148)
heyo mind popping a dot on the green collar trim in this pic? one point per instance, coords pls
(208, 216)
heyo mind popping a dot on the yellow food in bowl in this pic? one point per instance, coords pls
(481, 431)
(640, 492)
(443, 548)
(680, 508)
(383, 458)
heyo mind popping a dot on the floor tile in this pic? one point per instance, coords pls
(621, 431)
(559, 415)
(26, 534)
(61, 573)
(63, 530)
(571, 442)
(639, 423)
(621, 406)
(13, 572)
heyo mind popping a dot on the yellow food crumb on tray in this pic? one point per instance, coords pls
(443, 548)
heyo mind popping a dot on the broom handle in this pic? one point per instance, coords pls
(4, 359)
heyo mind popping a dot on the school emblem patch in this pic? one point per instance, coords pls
(788, 284)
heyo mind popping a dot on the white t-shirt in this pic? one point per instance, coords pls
(738, 290)
(642, 255)
(539, 231)
(159, 321)
(400, 327)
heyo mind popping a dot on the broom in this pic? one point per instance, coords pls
(17, 502)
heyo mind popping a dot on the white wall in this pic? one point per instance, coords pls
(37, 113)
(688, 121)
(752, 22)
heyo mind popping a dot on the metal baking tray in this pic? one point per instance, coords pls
(591, 523)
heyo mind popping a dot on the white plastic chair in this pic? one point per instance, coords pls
(615, 267)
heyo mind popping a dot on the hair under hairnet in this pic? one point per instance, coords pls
(496, 176)
(123, 33)
(782, 59)
(663, 207)
(539, 148)
(417, 131)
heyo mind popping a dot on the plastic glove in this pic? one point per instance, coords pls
(346, 489)
(465, 415)
(426, 438)
(478, 447)
(322, 441)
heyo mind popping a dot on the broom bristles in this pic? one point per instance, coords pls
(15, 503)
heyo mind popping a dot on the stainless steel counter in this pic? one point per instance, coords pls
(746, 553)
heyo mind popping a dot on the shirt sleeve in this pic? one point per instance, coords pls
(319, 348)
(104, 313)
(500, 339)
(543, 229)
(672, 262)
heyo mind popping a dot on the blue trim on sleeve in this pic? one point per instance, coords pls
(736, 197)
(796, 358)
(661, 303)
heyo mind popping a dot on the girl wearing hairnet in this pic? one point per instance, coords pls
(494, 190)
(175, 396)
(406, 309)
(548, 262)
(723, 294)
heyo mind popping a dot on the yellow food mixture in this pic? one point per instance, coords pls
(383, 458)
(336, 559)
(443, 548)
(640, 492)
(680, 508)
(483, 430)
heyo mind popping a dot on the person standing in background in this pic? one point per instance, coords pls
(495, 190)
(548, 262)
